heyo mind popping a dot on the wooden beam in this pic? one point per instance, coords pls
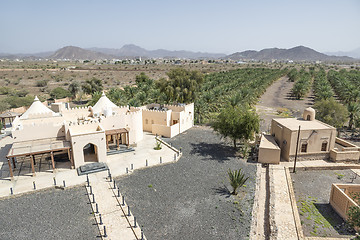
(71, 158)
(117, 141)
(127, 139)
(32, 160)
(10, 169)
(52, 160)
(36, 153)
(13, 160)
(107, 143)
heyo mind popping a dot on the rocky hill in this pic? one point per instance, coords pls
(299, 53)
(131, 50)
(76, 53)
(354, 53)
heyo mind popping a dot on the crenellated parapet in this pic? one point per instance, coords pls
(75, 109)
(40, 115)
(83, 122)
(157, 111)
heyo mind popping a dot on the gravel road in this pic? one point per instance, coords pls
(49, 214)
(190, 199)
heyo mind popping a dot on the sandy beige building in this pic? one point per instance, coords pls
(317, 140)
(168, 120)
(89, 134)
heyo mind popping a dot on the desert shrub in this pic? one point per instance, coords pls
(17, 81)
(21, 93)
(237, 179)
(41, 83)
(60, 92)
(4, 105)
(4, 90)
(15, 101)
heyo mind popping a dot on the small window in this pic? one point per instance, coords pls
(324, 146)
(304, 147)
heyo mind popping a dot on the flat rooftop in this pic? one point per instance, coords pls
(268, 141)
(294, 123)
(85, 129)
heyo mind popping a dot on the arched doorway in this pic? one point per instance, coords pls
(90, 153)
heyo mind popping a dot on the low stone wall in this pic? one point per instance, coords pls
(340, 199)
(343, 156)
(165, 131)
(310, 157)
(347, 152)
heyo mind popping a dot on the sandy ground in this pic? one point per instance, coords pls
(277, 96)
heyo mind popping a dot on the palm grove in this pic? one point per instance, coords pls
(225, 100)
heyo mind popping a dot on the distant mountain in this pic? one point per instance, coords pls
(28, 56)
(131, 50)
(354, 53)
(76, 53)
(299, 53)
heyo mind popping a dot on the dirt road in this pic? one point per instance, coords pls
(278, 96)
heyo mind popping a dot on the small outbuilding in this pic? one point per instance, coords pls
(316, 138)
(269, 150)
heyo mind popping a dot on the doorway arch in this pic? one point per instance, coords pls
(90, 153)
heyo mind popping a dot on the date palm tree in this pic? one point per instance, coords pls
(354, 113)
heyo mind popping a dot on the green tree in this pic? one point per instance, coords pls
(331, 112)
(237, 179)
(237, 123)
(59, 92)
(74, 88)
(92, 85)
(15, 101)
(4, 106)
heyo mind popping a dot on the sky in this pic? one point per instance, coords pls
(224, 26)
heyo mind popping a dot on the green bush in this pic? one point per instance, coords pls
(41, 83)
(331, 112)
(60, 92)
(15, 101)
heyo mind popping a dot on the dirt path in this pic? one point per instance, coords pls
(277, 96)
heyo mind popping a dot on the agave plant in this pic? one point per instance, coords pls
(237, 179)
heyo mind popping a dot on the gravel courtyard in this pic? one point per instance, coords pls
(190, 199)
(49, 214)
(312, 191)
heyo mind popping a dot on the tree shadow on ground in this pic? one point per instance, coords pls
(338, 224)
(290, 96)
(222, 191)
(213, 151)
